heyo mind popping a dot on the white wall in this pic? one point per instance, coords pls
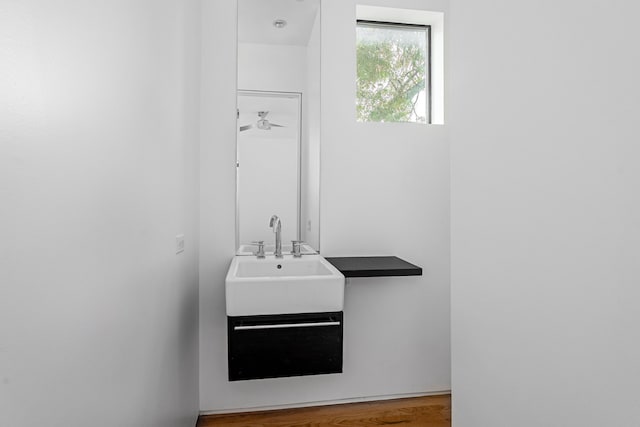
(217, 191)
(545, 209)
(384, 190)
(98, 173)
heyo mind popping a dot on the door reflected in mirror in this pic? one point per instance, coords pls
(268, 162)
(278, 128)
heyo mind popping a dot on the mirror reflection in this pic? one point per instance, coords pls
(278, 133)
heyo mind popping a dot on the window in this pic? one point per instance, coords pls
(393, 77)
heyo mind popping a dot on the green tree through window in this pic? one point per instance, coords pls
(392, 76)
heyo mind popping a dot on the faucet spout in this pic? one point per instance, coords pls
(276, 225)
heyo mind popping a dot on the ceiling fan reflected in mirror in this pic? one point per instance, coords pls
(262, 123)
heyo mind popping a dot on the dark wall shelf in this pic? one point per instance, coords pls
(374, 266)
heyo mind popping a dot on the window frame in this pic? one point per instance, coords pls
(401, 25)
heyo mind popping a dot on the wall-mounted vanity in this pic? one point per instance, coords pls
(284, 316)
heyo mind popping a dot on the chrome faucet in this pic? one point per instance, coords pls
(276, 225)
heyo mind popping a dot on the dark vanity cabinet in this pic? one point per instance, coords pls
(284, 345)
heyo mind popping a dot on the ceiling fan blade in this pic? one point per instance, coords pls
(276, 126)
(245, 127)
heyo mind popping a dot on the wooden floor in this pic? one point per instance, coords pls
(431, 411)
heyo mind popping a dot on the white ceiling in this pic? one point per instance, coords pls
(255, 21)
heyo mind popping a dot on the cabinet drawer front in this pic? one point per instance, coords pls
(276, 346)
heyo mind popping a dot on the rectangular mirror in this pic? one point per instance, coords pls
(278, 129)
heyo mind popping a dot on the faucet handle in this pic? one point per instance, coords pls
(260, 245)
(296, 248)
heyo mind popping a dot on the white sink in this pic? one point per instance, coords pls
(309, 284)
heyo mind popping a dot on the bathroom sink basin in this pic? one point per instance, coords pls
(309, 284)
